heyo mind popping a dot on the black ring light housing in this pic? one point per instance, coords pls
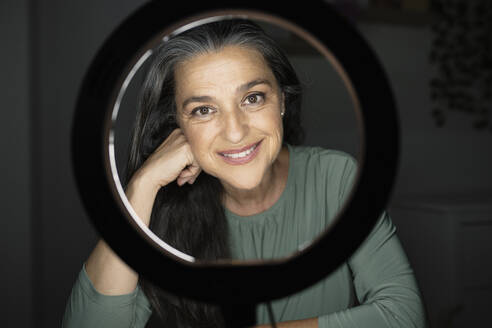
(245, 282)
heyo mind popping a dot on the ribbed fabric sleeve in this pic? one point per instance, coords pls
(86, 307)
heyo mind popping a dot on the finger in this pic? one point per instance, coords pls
(186, 173)
(194, 170)
(190, 179)
(181, 181)
(190, 174)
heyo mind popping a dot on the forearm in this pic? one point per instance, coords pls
(384, 283)
(304, 323)
(107, 272)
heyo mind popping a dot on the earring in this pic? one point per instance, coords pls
(282, 114)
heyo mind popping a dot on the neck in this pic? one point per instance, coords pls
(254, 201)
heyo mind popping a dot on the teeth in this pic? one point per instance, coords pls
(241, 154)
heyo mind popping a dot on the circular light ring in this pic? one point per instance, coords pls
(246, 282)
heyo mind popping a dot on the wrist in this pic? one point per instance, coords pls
(141, 194)
(142, 181)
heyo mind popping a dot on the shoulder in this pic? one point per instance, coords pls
(323, 169)
(323, 158)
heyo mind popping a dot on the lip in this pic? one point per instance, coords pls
(243, 160)
(240, 150)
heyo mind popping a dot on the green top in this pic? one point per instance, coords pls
(374, 288)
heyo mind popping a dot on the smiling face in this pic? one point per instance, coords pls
(228, 107)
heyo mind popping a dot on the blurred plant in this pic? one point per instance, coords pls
(461, 52)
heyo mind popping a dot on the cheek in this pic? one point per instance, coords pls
(200, 139)
(269, 122)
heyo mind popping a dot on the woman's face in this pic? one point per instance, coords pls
(228, 107)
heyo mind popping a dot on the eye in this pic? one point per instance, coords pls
(202, 111)
(254, 98)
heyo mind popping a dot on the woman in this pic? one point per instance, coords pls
(214, 172)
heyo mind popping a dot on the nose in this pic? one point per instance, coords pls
(235, 125)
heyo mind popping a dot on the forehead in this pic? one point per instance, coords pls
(225, 68)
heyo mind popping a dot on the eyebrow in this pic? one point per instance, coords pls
(241, 88)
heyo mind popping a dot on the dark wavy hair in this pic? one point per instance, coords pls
(191, 218)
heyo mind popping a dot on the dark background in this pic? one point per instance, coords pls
(441, 203)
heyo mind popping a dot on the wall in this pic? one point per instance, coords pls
(452, 159)
(15, 158)
(68, 35)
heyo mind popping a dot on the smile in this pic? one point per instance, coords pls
(241, 156)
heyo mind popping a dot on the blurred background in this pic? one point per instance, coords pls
(437, 55)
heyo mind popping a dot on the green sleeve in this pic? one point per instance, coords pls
(383, 279)
(87, 308)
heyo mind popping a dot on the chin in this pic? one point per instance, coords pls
(243, 182)
(248, 184)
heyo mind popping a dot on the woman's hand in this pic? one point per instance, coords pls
(172, 160)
